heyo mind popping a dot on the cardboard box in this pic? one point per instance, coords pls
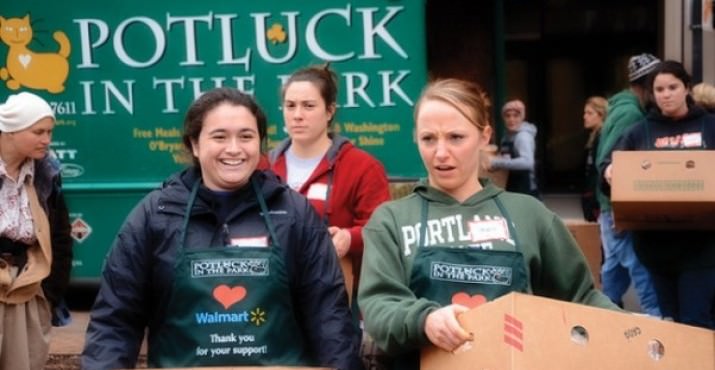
(519, 331)
(498, 177)
(346, 265)
(588, 237)
(672, 189)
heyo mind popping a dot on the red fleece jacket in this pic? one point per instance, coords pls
(359, 184)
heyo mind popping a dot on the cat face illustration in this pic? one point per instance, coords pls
(16, 31)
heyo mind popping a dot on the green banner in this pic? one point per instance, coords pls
(120, 77)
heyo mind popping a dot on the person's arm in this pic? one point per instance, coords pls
(393, 315)
(617, 123)
(524, 147)
(55, 285)
(564, 273)
(118, 317)
(321, 298)
(372, 190)
(627, 141)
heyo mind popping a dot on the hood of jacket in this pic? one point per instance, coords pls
(694, 112)
(529, 128)
(526, 127)
(331, 155)
(623, 99)
(434, 195)
(175, 192)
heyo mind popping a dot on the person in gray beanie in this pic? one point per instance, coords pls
(620, 263)
(35, 241)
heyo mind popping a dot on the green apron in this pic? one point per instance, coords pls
(467, 276)
(229, 306)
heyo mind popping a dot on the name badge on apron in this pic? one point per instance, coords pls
(256, 241)
(483, 231)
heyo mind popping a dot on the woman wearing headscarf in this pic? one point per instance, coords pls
(35, 242)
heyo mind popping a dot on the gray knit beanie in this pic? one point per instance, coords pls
(640, 65)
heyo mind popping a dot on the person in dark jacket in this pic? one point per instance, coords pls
(681, 262)
(224, 265)
(35, 242)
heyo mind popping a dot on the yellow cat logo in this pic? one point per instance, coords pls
(40, 71)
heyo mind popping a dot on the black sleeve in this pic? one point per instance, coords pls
(55, 285)
(321, 298)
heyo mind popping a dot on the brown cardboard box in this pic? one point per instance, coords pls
(519, 331)
(588, 237)
(672, 189)
(346, 265)
(498, 177)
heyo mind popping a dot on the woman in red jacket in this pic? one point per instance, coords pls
(344, 183)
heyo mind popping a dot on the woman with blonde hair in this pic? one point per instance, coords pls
(704, 95)
(417, 248)
(594, 113)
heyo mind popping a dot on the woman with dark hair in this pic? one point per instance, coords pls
(224, 265)
(344, 183)
(681, 262)
(35, 242)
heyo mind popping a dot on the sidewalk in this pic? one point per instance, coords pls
(66, 344)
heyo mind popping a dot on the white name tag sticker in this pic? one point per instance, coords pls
(483, 231)
(318, 192)
(692, 140)
(256, 241)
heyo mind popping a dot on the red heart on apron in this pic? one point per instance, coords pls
(229, 296)
(469, 301)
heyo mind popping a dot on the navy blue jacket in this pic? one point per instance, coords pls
(670, 251)
(139, 271)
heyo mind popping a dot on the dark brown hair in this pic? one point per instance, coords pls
(194, 120)
(321, 77)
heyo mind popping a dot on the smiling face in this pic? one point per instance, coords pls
(670, 95)
(305, 113)
(34, 141)
(228, 147)
(450, 145)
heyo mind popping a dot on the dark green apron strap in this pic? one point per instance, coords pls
(425, 210)
(187, 212)
(264, 211)
(509, 224)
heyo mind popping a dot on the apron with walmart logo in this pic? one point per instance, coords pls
(229, 306)
(467, 276)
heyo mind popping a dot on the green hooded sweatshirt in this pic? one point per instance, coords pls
(624, 110)
(395, 317)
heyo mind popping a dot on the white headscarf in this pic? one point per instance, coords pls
(23, 110)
